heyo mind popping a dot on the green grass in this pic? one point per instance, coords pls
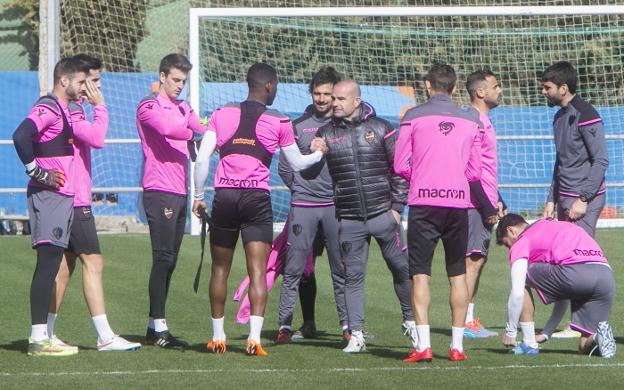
(313, 364)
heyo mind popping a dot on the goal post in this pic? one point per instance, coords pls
(387, 49)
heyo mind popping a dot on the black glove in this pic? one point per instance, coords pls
(51, 178)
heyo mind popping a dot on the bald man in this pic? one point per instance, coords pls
(369, 200)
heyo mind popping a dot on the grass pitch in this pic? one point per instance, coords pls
(311, 364)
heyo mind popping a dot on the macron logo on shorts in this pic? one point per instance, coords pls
(441, 193)
(241, 183)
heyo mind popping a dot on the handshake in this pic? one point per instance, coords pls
(318, 144)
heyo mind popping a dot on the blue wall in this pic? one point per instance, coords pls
(520, 161)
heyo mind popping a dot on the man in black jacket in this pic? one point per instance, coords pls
(369, 200)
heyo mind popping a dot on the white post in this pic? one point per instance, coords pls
(49, 42)
(194, 101)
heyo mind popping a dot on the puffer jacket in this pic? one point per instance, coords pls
(360, 161)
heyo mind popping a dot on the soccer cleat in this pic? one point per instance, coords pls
(283, 336)
(356, 343)
(307, 331)
(409, 330)
(424, 356)
(118, 344)
(169, 341)
(455, 355)
(474, 330)
(523, 349)
(254, 349)
(150, 336)
(604, 340)
(63, 345)
(567, 333)
(217, 346)
(47, 348)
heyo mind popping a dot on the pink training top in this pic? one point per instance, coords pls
(49, 123)
(438, 152)
(273, 129)
(165, 127)
(556, 242)
(87, 135)
(489, 167)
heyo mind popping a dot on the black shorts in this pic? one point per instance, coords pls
(236, 210)
(83, 238)
(426, 225)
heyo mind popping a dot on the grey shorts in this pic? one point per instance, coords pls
(589, 220)
(589, 286)
(51, 216)
(479, 234)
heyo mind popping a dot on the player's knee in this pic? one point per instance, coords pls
(165, 258)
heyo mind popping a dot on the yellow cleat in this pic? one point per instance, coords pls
(254, 349)
(217, 346)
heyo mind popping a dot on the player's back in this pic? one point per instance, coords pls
(245, 160)
(556, 242)
(442, 140)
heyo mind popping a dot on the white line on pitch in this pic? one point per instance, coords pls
(288, 370)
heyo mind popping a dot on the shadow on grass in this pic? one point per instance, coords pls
(17, 345)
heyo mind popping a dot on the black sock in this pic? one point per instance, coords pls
(307, 296)
(48, 263)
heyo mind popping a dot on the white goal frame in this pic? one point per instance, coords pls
(195, 14)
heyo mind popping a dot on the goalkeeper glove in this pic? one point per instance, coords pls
(51, 178)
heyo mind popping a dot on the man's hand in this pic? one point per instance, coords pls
(397, 216)
(509, 341)
(93, 93)
(502, 210)
(318, 144)
(578, 210)
(492, 219)
(549, 210)
(199, 204)
(54, 178)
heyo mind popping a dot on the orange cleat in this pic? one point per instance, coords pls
(217, 346)
(254, 349)
(457, 356)
(422, 356)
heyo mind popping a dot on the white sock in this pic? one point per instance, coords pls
(470, 314)
(39, 332)
(160, 325)
(345, 327)
(528, 334)
(51, 320)
(218, 333)
(150, 323)
(424, 341)
(102, 328)
(255, 328)
(458, 338)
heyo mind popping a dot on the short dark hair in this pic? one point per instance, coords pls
(260, 74)
(476, 78)
(325, 75)
(505, 222)
(67, 66)
(442, 77)
(87, 62)
(174, 60)
(561, 73)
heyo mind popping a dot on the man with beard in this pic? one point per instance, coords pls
(312, 213)
(578, 181)
(44, 144)
(485, 94)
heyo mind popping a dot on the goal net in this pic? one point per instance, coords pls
(388, 50)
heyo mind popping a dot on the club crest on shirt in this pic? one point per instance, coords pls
(168, 212)
(297, 229)
(446, 127)
(369, 136)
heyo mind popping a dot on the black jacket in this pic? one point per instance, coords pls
(360, 162)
